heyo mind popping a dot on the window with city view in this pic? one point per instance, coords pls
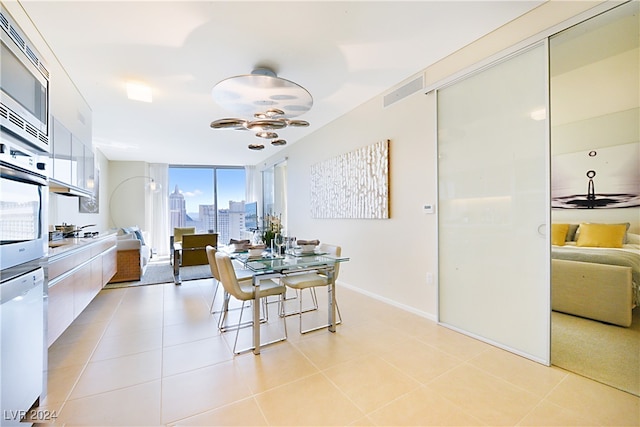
(211, 199)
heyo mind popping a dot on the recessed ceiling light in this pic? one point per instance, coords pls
(539, 114)
(137, 91)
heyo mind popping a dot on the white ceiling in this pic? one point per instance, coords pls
(343, 53)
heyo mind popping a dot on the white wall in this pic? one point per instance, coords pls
(390, 259)
(128, 197)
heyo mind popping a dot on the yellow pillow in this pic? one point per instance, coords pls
(559, 234)
(602, 235)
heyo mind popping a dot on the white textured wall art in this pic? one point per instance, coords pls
(352, 185)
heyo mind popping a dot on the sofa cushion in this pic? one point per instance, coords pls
(135, 231)
(128, 243)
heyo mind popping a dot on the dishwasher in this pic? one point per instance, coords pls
(21, 345)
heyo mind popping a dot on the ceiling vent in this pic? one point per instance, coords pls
(403, 91)
(12, 31)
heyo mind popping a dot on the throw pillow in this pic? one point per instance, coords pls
(559, 234)
(139, 236)
(602, 235)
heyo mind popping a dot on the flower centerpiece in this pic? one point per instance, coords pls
(272, 225)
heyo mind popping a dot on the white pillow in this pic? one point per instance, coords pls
(633, 239)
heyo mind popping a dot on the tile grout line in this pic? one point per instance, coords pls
(86, 363)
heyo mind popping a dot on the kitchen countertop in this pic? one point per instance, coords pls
(57, 249)
(62, 247)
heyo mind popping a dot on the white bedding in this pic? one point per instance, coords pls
(627, 256)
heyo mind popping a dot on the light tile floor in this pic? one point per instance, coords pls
(153, 355)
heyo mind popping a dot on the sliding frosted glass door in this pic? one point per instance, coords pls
(493, 205)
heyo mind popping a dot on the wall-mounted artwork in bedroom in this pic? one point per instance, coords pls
(606, 177)
(352, 185)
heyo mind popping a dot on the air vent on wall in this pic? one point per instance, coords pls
(16, 120)
(17, 125)
(4, 22)
(403, 91)
(15, 35)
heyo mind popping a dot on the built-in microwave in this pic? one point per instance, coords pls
(24, 86)
(23, 203)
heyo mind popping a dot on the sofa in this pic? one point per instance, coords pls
(133, 255)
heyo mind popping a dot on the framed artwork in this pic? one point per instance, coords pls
(352, 185)
(607, 177)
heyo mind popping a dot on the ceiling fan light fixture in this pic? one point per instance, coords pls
(266, 124)
(297, 123)
(269, 114)
(229, 123)
(267, 135)
(272, 101)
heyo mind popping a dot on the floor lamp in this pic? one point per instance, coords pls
(150, 186)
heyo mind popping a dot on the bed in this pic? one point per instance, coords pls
(595, 275)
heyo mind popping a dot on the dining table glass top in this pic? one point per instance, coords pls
(268, 262)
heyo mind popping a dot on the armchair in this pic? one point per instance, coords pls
(178, 232)
(193, 248)
(191, 251)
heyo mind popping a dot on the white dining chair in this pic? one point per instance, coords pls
(245, 291)
(310, 281)
(224, 311)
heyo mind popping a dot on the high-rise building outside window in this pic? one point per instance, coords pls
(209, 198)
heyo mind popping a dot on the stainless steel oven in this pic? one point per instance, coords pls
(23, 202)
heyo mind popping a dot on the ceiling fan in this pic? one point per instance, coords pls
(265, 103)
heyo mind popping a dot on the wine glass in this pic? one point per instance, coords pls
(279, 242)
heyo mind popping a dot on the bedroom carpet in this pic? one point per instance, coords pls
(606, 353)
(163, 273)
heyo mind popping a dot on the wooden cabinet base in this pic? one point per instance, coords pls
(128, 266)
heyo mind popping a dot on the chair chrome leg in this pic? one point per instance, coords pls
(282, 300)
(314, 298)
(224, 311)
(235, 343)
(300, 310)
(240, 324)
(298, 295)
(250, 323)
(339, 321)
(215, 293)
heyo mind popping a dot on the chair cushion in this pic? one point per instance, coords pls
(269, 287)
(302, 281)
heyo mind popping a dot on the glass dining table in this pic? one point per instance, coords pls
(268, 266)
